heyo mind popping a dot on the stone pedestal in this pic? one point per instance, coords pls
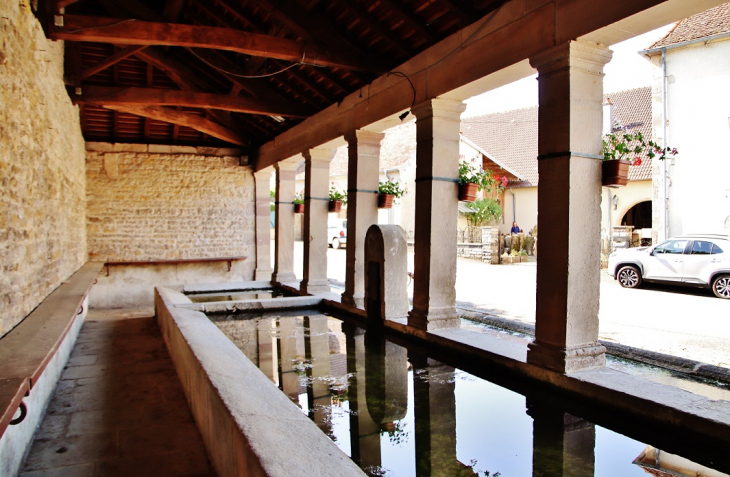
(569, 196)
(386, 271)
(262, 180)
(437, 172)
(314, 230)
(363, 149)
(284, 244)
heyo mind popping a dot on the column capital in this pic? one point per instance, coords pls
(440, 107)
(318, 155)
(265, 172)
(361, 136)
(585, 55)
(287, 165)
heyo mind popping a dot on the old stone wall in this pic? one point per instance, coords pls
(166, 203)
(42, 181)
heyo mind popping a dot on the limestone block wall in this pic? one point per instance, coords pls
(156, 203)
(42, 179)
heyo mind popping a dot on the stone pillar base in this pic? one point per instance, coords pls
(284, 278)
(356, 300)
(434, 319)
(263, 275)
(315, 286)
(566, 360)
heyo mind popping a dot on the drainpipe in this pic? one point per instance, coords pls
(514, 206)
(664, 143)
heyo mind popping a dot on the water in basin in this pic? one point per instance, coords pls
(236, 295)
(398, 412)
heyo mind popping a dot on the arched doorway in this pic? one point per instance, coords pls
(640, 217)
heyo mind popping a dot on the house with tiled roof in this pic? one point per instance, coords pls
(691, 105)
(511, 138)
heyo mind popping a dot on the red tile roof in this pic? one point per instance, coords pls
(710, 22)
(511, 137)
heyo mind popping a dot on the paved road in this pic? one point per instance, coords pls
(685, 322)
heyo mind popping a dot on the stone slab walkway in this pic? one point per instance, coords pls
(119, 408)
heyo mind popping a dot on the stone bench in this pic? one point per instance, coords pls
(31, 348)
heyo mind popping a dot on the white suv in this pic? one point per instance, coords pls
(690, 260)
(337, 233)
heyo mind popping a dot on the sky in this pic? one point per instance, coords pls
(627, 70)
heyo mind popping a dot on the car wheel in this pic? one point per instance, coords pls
(721, 286)
(335, 243)
(629, 276)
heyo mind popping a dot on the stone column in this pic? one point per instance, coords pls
(569, 201)
(364, 431)
(316, 212)
(363, 150)
(317, 351)
(268, 354)
(262, 181)
(437, 172)
(434, 413)
(563, 444)
(290, 336)
(284, 245)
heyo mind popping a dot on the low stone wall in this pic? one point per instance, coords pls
(249, 427)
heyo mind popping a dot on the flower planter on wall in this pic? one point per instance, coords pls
(385, 201)
(335, 205)
(468, 192)
(615, 173)
(298, 208)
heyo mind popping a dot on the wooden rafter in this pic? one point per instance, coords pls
(369, 20)
(131, 96)
(182, 118)
(135, 32)
(115, 58)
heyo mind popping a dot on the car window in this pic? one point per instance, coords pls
(716, 249)
(700, 247)
(671, 247)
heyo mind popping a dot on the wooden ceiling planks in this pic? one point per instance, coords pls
(148, 45)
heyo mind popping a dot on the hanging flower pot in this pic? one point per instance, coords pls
(335, 205)
(385, 201)
(615, 173)
(468, 192)
(298, 208)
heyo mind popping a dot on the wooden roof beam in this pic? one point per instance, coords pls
(135, 32)
(115, 58)
(182, 118)
(132, 96)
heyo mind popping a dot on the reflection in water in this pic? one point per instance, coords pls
(262, 294)
(400, 413)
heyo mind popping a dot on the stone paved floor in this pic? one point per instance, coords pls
(119, 408)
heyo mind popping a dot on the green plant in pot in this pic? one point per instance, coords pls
(298, 203)
(388, 191)
(473, 179)
(621, 150)
(337, 199)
